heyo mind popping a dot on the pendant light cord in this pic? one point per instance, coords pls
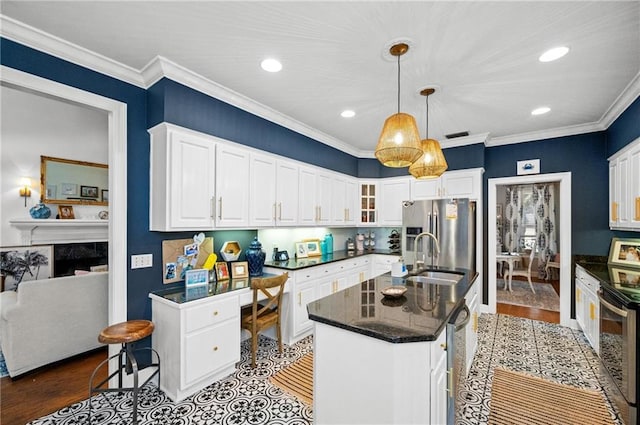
(427, 124)
(398, 83)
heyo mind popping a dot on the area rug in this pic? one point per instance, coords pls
(517, 398)
(3, 366)
(297, 379)
(545, 297)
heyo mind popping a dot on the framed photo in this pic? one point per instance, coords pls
(313, 248)
(301, 250)
(196, 277)
(105, 195)
(66, 212)
(23, 263)
(239, 269)
(88, 191)
(222, 272)
(69, 188)
(625, 252)
(624, 277)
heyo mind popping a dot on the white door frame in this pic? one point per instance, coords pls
(117, 127)
(564, 198)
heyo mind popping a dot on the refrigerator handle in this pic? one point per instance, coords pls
(435, 232)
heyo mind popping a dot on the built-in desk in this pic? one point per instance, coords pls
(198, 333)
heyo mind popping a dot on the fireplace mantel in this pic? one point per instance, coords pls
(37, 232)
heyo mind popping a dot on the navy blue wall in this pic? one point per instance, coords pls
(584, 155)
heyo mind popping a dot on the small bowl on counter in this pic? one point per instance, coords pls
(395, 291)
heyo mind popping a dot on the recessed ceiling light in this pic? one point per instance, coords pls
(541, 110)
(348, 114)
(553, 54)
(271, 65)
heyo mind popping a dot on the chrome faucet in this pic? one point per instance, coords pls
(415, 251)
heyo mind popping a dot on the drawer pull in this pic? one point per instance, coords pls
(215, 348)
(215, 313)
(637, 215)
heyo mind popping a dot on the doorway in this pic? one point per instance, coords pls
(519, 240)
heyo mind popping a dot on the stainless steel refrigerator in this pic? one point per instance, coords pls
(451, 221)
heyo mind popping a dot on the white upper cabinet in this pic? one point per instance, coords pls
(182, 188)
(452, 184)
(624, 188)
(344, 200)
(287, 188)
(232, 186)
(307, 211)
(367, 200)
(324, 186)
(393, 192)
(351, 202)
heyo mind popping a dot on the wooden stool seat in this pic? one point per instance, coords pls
(126, 332)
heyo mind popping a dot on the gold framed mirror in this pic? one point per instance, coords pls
(66, 181)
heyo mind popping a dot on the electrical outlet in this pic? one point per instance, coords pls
(141, 261)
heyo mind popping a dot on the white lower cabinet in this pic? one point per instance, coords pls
(382, 264)
(438, 381)
(588, 306)
(473, 303)
(198, 342)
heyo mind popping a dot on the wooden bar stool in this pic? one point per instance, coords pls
(125, 333)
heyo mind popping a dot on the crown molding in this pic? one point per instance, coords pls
(55, 46)
(551, 133)
(161, 67)
(622, 102)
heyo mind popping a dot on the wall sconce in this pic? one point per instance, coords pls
(25, 189)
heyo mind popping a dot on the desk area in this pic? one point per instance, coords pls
(198, 333)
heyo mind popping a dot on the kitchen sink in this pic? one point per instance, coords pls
(436, 278)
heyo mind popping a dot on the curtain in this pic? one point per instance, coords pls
(513, 218)
(544, 199)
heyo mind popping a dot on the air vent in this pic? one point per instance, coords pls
(455, 135)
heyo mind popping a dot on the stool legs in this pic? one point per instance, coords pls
(127, 363)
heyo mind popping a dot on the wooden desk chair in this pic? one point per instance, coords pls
(265, 314)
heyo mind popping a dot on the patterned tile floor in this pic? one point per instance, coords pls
(541, 349)
(247, 397)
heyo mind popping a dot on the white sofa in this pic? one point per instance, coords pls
(52, 319)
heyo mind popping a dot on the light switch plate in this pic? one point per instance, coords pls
(141, 261)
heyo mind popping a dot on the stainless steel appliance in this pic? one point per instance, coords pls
(618, 343)
(451, 221)
(456, 359)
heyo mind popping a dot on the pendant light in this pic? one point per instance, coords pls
(432, 162)
(399, 142)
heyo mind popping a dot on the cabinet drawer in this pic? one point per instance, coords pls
(590, 282)
(211, 314)
(317, 272)
(211, 349)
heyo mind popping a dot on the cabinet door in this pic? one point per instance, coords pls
(425, 189)
(338, 201)
(614, 203)
(580, 303)
(461, 184)
(211, 349)
(190, 181)
(622, 190)
(286, 193)
(438, 413)
(305, 293)
(232, 187)
(307, 211)
(351, 202)
(324, 186)
(262, 202)
(634, 188)
(392, 194)
(368, 203)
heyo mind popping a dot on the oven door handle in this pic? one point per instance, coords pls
(616, 310)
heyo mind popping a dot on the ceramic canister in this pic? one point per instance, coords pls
(255, 257)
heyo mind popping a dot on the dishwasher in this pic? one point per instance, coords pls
(456, 359)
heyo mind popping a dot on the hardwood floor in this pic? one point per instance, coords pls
(529, 312)
(45, 390)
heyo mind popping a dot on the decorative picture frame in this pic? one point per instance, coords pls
(89, 192)
(22, 263)
(69, 188)
(624, 277)
(65, 212)
(239, 269)
(313, 248)
(105, 195)
(301, 250)
(196, 277)
(222, 271)
(625, 252)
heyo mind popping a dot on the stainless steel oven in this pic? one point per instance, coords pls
(618, 341)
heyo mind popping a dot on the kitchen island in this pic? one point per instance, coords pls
(383, 359)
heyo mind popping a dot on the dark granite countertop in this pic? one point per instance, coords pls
(302, 263)
(419, 315)
(623, 282)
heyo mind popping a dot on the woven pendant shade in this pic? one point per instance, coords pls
(399, 142)
(431, 164)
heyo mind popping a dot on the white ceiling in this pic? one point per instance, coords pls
(481, 56)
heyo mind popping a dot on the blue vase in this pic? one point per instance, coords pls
(40, 211)
(255, 257)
